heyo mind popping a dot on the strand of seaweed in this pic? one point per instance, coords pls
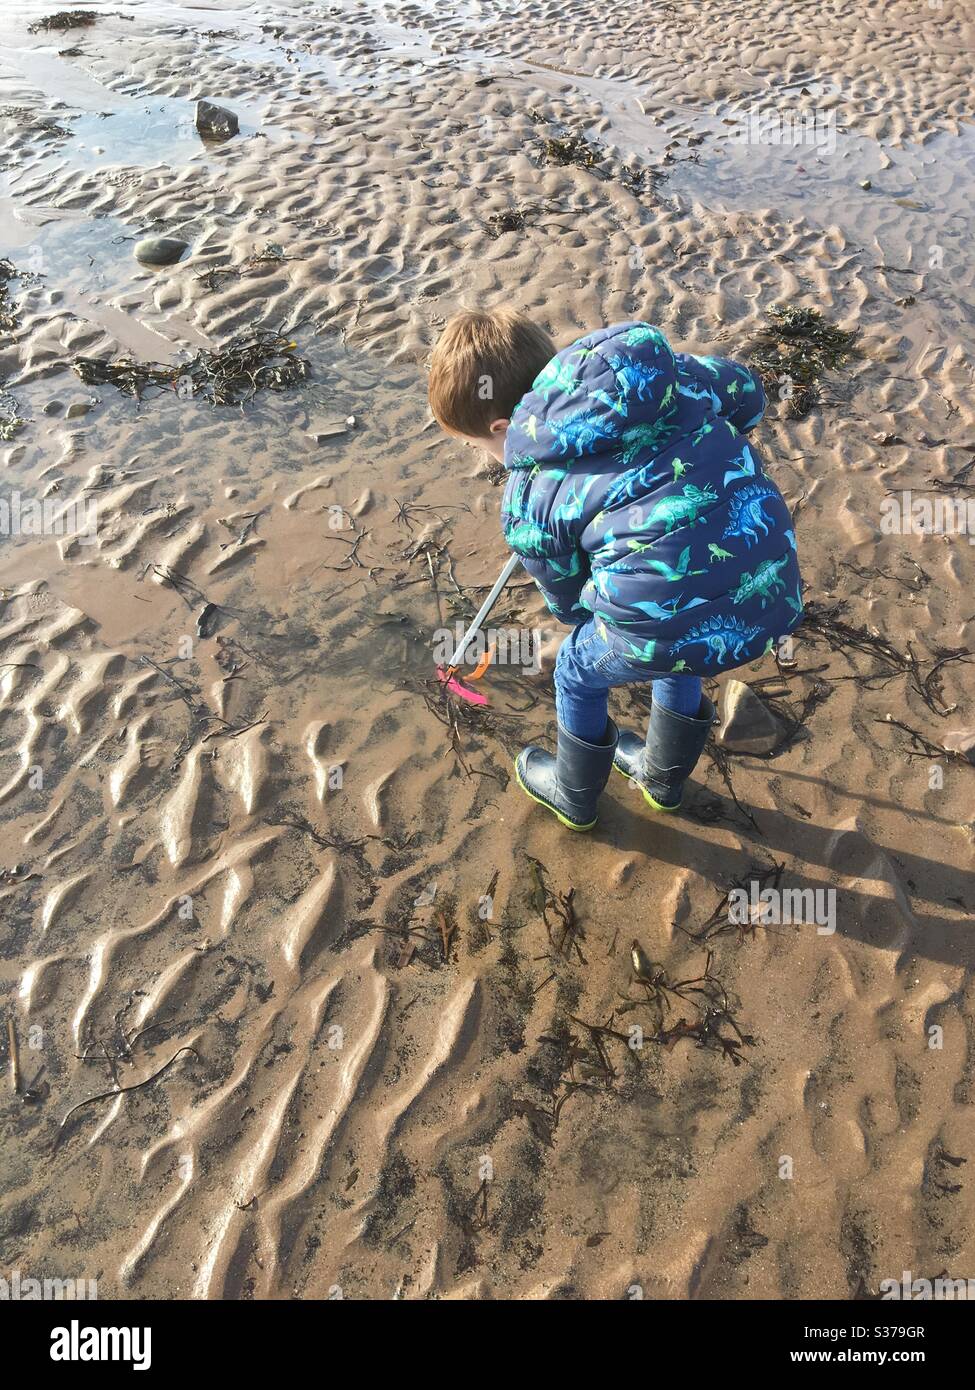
(438, 935)
(340, 843)
(581, 1064)
(352, 851)
(826, 622)
(201, 714)
(722, 919)
(460, 718)
(112, 1049)
(922, 747)
(564, 932)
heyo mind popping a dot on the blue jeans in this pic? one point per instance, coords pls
(587, 667)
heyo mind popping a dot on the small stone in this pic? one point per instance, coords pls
(160, 250)
(215, 122)
(329, 429)
(865, 183)
(747, 725)
(78, 408)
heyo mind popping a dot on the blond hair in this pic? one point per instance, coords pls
(482, 366)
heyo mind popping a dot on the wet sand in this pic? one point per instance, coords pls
(257, 854)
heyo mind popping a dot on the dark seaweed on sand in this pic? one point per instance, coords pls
(28, 121)
(8, 272)
(572, 149)
(64, 19)
(511, 220)
(9, 318)
(722, 919)
(827, 623)
(479, 721)
(11, 419)
(225, 376)
(800, 345)
(563, 927)
(584, 1063)
(703, 996)
(923, 747)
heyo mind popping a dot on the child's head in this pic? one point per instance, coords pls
(481, 367)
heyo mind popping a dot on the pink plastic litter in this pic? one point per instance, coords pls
(455, 687)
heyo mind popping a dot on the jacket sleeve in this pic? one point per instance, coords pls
(550, 552)
(737, 391)
(560, 579)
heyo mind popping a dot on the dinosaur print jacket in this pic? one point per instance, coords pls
(632, 496)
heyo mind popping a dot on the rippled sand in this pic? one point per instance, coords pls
(255, 854)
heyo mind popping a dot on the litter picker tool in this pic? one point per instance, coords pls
(448, 674)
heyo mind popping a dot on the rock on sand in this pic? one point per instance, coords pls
(747, 725)
(159, 250)
(215, 122)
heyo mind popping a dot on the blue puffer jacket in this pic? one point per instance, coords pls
(633, 496)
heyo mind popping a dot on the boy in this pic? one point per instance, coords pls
(647, 522)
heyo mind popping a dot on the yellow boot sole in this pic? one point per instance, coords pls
(569, 825)
(651, 801)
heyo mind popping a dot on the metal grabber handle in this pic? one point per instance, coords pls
(461, 649)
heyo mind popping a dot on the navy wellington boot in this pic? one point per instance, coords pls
(662, 763)
(569, 784)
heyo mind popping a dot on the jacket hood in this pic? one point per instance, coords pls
(593, 395)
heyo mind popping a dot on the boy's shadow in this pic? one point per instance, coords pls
(919, 925)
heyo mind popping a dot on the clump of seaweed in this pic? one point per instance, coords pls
(459, 717)
(633, 178)
(11, 419)
(9, 318)
(511, 220)
(64, 19)
(923, 747)
(572, 149)
(722, 919)
(29, 122)
(563, 927)
(582, 1061)
(270, 255)
(798, 346)
(580, 1064)
(226, 376)
(575, 149)
(702, 995)
(430, 940)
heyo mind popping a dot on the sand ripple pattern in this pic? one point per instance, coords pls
(252, 853)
